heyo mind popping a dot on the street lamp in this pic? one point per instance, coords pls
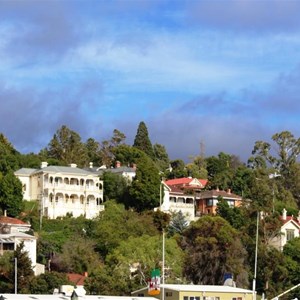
(255, 260)
(273, 176)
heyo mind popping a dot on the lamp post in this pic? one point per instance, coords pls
(163, 248)
(255, 259)
(16, 275)
(273, 176)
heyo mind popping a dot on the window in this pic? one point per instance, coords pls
(168, 294)
(290, 234)
(237, 298)
(191, 298)
(209, 202)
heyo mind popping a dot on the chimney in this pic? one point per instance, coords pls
(85, 274)
(91, 165)
(118, 164)
(5, 213)
(73, 165)
(134, 166)
(284, 214)
(44, 164)
(229, 191)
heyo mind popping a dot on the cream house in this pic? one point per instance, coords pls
(63, 190)
(198, 292)
(289, 230)
(175, 200)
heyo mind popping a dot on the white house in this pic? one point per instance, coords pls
(289, 230)
(12, 233)
(63, 190)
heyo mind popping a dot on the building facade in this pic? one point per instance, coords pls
(198, 292)
(63, 190)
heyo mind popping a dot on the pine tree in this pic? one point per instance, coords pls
(142, 140)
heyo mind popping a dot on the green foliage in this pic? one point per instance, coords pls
(11, 195)
(93, 151)
(9, 157)
(213, 248)
(177, 224)
(143, 193)
(161, 220)
(77, 256)
(116, 224)
(142, 140)
(66, 146)
(178, 169)
(25, 272)
(115, 186)
(161, 157)
(46, 283)
(128, 266)
(234, 215)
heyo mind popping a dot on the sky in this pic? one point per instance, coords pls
(217, 73)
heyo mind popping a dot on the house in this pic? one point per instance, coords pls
(289, 230)
(206, 201)
(128, 172)
(63, 190)
(198, 292)
(64, 297)
(175, 200)
(12, 233)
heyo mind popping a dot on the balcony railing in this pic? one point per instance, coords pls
(70, 187)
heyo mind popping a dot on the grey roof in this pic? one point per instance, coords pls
(25, 171)
(61, 169)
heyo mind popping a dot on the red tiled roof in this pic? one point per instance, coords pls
(77, 279)
(289, 218)
(184, 180)
(9, 220)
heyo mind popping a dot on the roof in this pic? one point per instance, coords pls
(20, 235)
(25, 171)
(217, 193)
(55, 169)
(63, 297)
(202, 288)
(290, 219)
(77, 279)
(12, 221)
(187, 181)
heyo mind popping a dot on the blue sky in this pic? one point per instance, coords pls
(222, 72)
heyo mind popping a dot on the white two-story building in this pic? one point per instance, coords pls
(63, 190)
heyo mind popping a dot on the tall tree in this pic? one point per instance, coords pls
(143, 193)
(161, 157)
(67, 147)
(93, 151)
(142, 140)
(11, 195)
(214, 249)
(108, 147)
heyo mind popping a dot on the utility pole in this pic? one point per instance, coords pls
(255, 260)
(16, 275)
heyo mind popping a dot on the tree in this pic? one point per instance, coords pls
(177, 224)
(287, 149)
(116, 224)
(93, 151)
(177, 170)
(9, 157)
(78, 256)
(24, 267)
(214, 249)
(108, 147)
(47, 282)
(115, 186)
(67, 147)
(143, 193)
(161, 157)
(142, 140)
(11, 195)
